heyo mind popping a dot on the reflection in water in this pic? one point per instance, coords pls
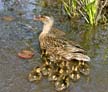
(1, 5)
(20, 7)
(88, 40)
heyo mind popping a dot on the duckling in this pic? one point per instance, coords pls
(54, 76)
(74, 75)
(61, 63)
(62, 83)
(46, 69)
(46, 61)
(35, 74)
(84, 68)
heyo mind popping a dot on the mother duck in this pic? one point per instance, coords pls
(56, 47)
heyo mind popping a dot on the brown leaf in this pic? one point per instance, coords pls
(26, 54)
(8, 18)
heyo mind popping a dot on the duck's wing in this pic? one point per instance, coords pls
(64, 49)
(57, 32)
(61, 35)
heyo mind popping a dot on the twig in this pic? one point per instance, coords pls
(80, 3)
(33, 3)
(98, 16)
(28, 26)
(83, 16)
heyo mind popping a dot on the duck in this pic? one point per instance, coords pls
(56, 47)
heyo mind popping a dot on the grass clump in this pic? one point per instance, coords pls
(91, 10)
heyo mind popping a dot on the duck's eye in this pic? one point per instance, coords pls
(42, 16)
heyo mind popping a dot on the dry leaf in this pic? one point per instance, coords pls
(8, 18)
(26, 54)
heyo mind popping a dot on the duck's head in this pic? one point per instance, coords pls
(44, 19)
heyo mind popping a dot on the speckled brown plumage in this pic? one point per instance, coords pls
(55, 45)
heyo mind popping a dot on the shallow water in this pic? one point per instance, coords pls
(15, 35)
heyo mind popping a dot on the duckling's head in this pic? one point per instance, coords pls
(44, 19)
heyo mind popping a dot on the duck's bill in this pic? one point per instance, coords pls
(39, 18)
